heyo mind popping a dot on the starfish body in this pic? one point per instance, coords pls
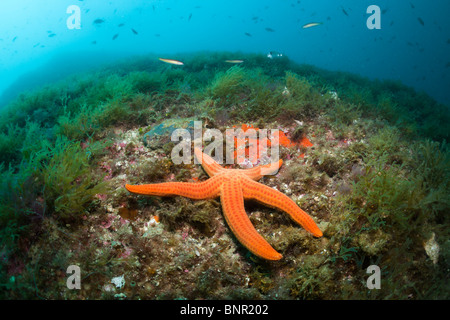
(233, 186)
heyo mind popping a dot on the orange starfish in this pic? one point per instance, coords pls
(233, 186)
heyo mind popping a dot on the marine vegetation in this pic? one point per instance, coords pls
(367, 159)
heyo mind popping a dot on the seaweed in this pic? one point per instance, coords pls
(68, 183)
(16, 203)
(226, 85)
(147, 82)
(10, 143)
(345, 114)
(312, 280)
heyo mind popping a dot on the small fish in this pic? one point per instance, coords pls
(248, 34)
(134, 31)
(171, 61)
(98, 21)
(121, 25)
(51, 35)
(94, 42)
(345, 12)
(234, 61)
(448, 41)
(421, 21)
(447, 65)
(270, 30)
(190, 16)
(115, 36)
(412, 6)
(36, 45)
(312, 24)
(14, 39)
(157, 35)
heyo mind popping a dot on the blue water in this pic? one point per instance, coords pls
(413, 44)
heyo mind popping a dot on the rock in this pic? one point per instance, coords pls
(166, 128)
(432, 248)
(373, 242)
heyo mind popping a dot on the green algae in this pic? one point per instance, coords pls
(227, 84)
(68, 181)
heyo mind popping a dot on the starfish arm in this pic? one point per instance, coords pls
(276, 199)
(211, 167)
(233, 208)
(202, 190)
(258, 172)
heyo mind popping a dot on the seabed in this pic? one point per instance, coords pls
(374, 176)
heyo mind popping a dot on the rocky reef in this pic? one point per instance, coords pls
(366, 159)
